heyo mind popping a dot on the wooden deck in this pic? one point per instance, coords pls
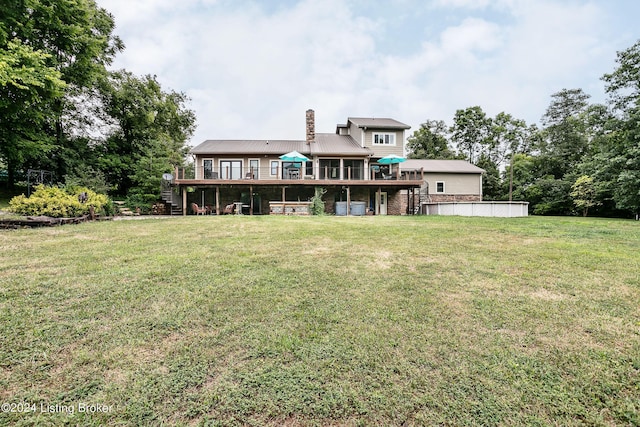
(406, 183)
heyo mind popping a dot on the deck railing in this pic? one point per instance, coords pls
(347, 173)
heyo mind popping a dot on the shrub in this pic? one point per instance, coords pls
(317, 204)
(141, 201)
(59, 202)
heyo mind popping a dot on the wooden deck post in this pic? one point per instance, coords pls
(184, 201)
(217, 200)
(251, 198)
(284, 199)
(378, 197)
(348, 200)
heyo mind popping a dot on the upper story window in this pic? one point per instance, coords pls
(384, 139)
(275, 165)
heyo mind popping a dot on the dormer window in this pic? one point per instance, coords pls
(384, 139)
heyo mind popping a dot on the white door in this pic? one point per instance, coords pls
(383, 204)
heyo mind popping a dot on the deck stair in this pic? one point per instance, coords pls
(170, 198)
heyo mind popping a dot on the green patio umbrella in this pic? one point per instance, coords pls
(391, 159)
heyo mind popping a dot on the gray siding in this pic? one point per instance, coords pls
(382, 150)
(456, 184)
(356, 133)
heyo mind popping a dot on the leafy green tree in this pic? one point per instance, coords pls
(471, 132)
(518, 176)
(509, 136)
(549, 196)
(583, 193)
(491, 184)
(565, 141)
(76, 34)
(28, 88)
(430, 142)
(627, 185)
(76, 40)
(623, 84)
(151, 128)
(623, 152)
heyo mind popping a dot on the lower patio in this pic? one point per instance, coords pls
(252, 199)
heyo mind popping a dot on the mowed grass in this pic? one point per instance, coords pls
(323, 321)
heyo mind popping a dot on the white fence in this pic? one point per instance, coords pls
(494, 209)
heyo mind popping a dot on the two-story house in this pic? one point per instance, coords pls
(251, 175)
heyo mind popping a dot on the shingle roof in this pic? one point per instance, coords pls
(442, 166)
(377, 123)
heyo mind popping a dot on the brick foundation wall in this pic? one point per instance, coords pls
(333, 194)
(397, 203)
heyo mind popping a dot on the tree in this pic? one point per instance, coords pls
(623, 153)
(565, 141)
(430, 142)
(28, 87)
(549, 196)
(150, 130)
(623, 85)
(74, 39)
(509, 136)
(583, 193)
(520, 173)
(491, 185)
(471, 132)
(627, 189)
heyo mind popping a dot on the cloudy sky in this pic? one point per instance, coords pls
(252, 68)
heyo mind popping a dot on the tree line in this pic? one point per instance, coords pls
(583, 158)
(63, 111)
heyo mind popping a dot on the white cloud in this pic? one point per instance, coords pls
(252, 72)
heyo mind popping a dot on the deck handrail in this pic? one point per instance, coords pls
(324, 173)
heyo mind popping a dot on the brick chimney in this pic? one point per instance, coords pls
(311, 126)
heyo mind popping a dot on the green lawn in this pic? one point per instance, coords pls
(322, 321)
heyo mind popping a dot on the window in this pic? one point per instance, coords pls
(439, 187)
(384, 139)
(274, 167)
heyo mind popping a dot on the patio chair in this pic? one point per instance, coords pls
(198, 210)
(394, 175)
(229, 209)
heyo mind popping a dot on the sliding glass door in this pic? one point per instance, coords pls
(231, 169)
